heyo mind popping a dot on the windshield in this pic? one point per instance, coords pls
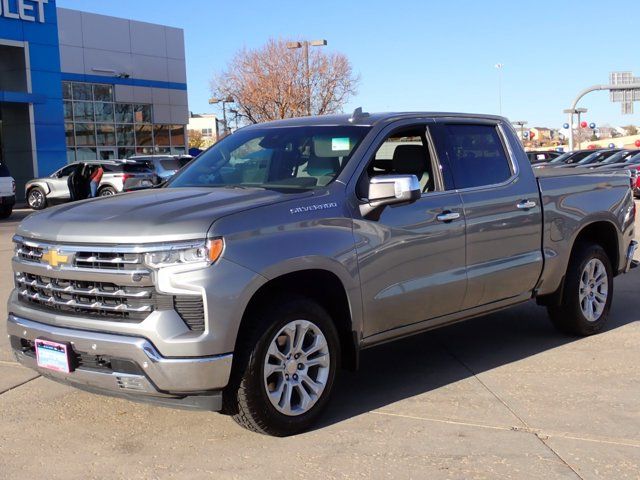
(279, 158)
(634, 158)
(594, 157)
(618, 157)
(562, 158)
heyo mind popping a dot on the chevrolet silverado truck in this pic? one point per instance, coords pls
(244, 283)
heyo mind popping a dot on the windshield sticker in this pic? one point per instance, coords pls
(339, 144)
(312, 208)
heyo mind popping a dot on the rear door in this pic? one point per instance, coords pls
(501, 207)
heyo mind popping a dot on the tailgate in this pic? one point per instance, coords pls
(6, 187)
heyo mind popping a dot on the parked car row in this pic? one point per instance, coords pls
(119, 176)
(611, 158)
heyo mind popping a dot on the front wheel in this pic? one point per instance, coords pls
(107, 192)
(588, 291)
(288, 370)
(36, 199)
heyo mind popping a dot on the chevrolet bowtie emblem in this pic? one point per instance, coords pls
(54, 258)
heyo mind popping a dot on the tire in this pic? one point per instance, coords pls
(5, 212)
(107, 192)
(36, 198)
(586, 297)
(267, 348)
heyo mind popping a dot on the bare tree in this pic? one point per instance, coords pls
(631, 129)
(270, 83)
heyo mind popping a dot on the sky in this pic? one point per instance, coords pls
(422, 55)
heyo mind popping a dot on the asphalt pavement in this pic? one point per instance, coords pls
(501, 396)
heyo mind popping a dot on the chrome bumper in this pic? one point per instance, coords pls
(194, 382)
(629, 261)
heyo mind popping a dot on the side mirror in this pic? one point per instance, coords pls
(391, 190)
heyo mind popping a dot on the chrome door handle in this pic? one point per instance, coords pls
(448, 216)
(526, 204)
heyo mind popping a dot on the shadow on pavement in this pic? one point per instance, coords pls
(416, 365)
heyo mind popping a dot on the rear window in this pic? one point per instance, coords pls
(136, 168)
(170, 164)
(4, 170)
(476, 155)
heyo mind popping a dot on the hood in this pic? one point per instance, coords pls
(148, 216)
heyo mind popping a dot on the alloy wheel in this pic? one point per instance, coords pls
(296, 367)
(594, 290)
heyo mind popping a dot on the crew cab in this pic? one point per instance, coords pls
(272, 260)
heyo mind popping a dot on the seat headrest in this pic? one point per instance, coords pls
(410, 160)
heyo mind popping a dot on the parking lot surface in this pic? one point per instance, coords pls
(501, 396)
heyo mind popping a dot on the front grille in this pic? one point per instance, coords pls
(87, 298)
(94, 299)
(84, 259)
(191, 309)
(108, 260)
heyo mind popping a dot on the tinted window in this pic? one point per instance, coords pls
(476, 155)
(66, 171)
(133, 168)
(170, 164)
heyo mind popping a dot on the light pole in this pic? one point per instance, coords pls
(499, 67)
(572, 112)
(305, 51)
(521, 124)
(224, 101)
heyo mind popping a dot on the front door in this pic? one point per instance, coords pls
(107, 154)
(501, 208)
(411, 257)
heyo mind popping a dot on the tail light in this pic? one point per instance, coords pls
(13, 185)
(124, 177)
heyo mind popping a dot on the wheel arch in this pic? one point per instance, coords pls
(601, 232)
(320, 285)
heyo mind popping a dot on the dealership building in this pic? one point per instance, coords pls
(80, 86)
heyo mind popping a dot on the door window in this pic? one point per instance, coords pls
(476, 154)
(405, 152)
(66, 171)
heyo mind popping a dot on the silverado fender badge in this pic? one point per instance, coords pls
(311, 208)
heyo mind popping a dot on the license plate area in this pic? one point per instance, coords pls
(53, 355)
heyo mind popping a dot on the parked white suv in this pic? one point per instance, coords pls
(7, 191)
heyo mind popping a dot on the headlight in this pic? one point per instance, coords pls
(203, 253)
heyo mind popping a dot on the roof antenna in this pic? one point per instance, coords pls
(358, 114)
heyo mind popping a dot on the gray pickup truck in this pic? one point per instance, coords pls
(244, 283)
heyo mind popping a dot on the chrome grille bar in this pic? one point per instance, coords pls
(21, 280)
(89, 306)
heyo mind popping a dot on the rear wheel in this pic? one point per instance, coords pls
(36, 199)
(286, 369)
(107, 192)
(5, 212)
(587, 294)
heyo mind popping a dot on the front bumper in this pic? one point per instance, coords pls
(126, 366)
